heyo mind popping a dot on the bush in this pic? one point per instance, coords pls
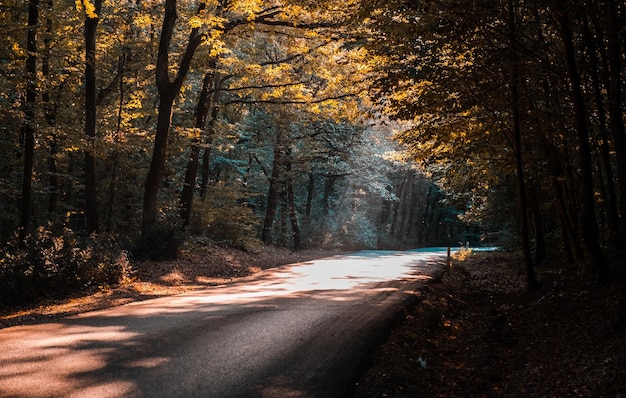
(161, 242)
(55, 261)
(225, 217)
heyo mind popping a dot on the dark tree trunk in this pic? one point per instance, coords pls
(310, 193)
(273, 195)
(91, 195)
(157, 165)
(589, 225)
(617, 126)
(424, 225)
(50, 112)
(27, 132)
(396, 210)
(329, 184)
(202, 111)
(614, 233)
(121, 65)
(168, 91)
(293, 214)
(531, 279)
(206, 171)
(616, 110)
(540, 242)
(404, 205)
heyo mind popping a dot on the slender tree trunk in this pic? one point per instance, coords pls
(616, 110)
(310, 193)
(291, 199)
(50, 112)
(614, 233)
(329, 184)
(121, 65)
(91, 205)
(424, 225)
(207, 103)
(540, 242)
(531, 279)
(617, 127)
(396, 210)
(589, 225)
(202, 110)
(405, 205)
(273, 195)
(206, 171)
(27, 132)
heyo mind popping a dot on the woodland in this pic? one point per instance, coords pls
(129, 128)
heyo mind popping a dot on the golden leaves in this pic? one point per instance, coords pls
(88, 7)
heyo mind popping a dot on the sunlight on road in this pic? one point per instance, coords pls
(338, 278)
(99, 353)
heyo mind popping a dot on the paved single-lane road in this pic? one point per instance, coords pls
(300, 330)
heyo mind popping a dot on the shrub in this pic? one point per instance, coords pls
(55, 261)
(225, 217)
(161, 242)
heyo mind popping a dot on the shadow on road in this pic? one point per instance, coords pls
(297, 330)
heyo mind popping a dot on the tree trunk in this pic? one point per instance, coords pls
(617, 128)
(531, 279)
(202, 110)
(614, 233)
(309, 196)
(616, 111)
(121, 65)
(27, 130)
(589, 225)
(424, 225)
(293, 215)
(540, 242)
(168, 91)
(209, 96)
(91, 205)
(50, 114)
(273, 195)
(329, 184)
(206, 171)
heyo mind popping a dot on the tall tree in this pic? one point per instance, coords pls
(28, 127)
(531, 279)
(168, 91)
(589, 223)
(92, 18)
(207, 108)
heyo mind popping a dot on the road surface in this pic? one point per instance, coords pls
(302, 330)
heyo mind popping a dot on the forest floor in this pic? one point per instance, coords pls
(474, 331)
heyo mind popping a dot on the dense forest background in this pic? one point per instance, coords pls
(129, 127)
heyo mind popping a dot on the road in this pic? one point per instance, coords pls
(302, 330)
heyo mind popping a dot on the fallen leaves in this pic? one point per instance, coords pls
(483, 335)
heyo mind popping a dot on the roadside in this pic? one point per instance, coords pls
(476, 332)
(198, 267)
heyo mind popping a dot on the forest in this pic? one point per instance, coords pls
(130, 127)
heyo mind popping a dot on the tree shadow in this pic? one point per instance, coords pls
(299, 329)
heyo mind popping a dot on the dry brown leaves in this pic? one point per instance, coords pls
(198, 266)
(483, 335)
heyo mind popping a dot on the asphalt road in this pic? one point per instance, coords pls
(303, 330)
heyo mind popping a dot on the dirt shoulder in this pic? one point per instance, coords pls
(198, 267)
(477, 332)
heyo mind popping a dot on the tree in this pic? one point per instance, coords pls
(28, 127)
(92, 17)
(589, 224)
